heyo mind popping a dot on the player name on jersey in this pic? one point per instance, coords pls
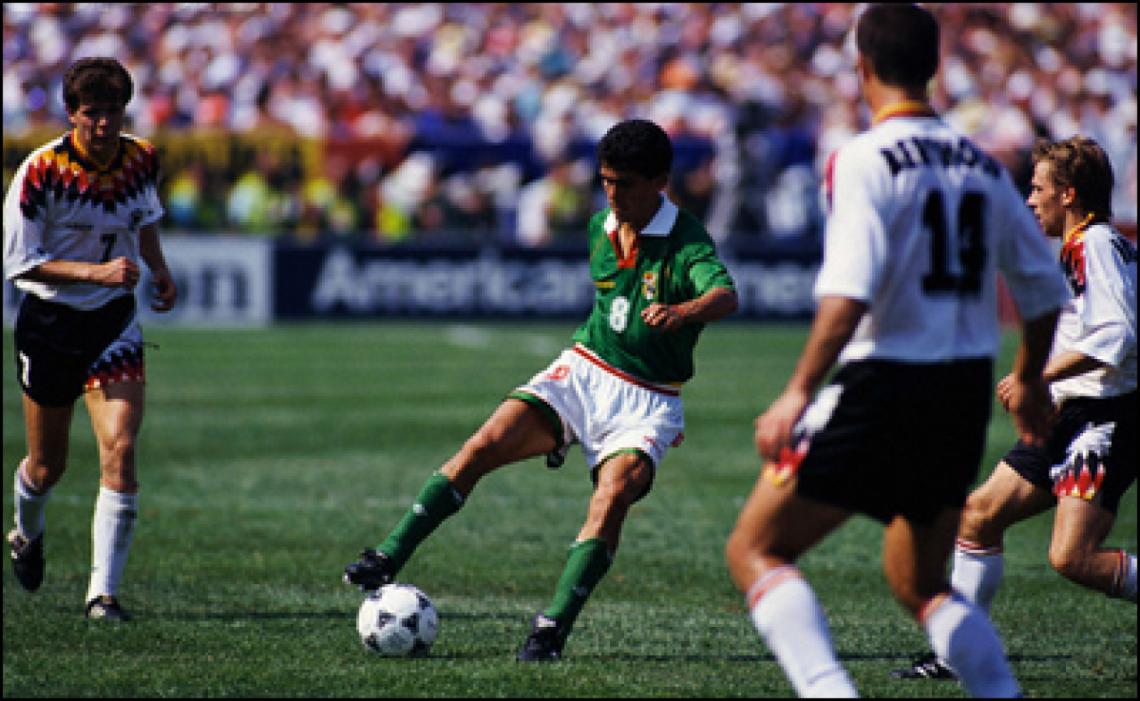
(923, 152)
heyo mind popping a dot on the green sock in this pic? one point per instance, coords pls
(436, 501)
(585, 566)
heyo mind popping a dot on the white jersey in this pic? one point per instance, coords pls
(60, 206)
(1100, 319)
(920, 221)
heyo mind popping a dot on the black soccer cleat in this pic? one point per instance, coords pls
(545, 642)
(105, 608)
(372, 571)
(27, 559)
(926, 666)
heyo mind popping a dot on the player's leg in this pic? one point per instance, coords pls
(914, 562)
(116, 411)
(1005, 498)
(1076, 551)
(1099, 467)
(48, 430)
(621, 480)
(515, 431)
(774, 528)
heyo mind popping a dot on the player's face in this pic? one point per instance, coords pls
(632, 197)
(1046, 199)
(97, 127)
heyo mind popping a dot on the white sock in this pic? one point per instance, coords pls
(977, 572)
(788, 616)
(1125, 585)
(29, 506)
(961, 634)
(112, 528)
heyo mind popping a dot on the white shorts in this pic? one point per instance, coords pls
(607, 410)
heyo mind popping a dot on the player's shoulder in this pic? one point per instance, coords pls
(1105, 237)
(861, 156)
(138, 147)
(689, 228)
(46, 152)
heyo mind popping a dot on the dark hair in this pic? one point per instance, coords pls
(91, 80)
(637, 145)
(1080, 163)
(901, 42)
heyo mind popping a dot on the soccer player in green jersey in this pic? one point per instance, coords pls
(615, 391)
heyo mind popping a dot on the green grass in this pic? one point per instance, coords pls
(269, 458)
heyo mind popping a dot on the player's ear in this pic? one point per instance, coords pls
(1068, 196)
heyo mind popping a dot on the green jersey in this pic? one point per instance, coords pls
(674, 261)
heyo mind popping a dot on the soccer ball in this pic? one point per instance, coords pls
(397, 620)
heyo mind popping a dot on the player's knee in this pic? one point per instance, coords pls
(736, 550)
(742, 552)
(1070, 563)
(481, 451)
(117, 454)
(612, 497)
(978, 521)
(41, 475)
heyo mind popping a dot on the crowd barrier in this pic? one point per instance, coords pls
(230, 281)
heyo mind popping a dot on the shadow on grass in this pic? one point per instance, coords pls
(327, 614)
(338, 614)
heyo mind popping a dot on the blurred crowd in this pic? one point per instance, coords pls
(472, 121)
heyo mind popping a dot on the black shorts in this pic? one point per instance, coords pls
(1099, 423)
(56, 345)
(903, 439)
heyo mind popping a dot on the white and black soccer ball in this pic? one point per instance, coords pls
(397, 620)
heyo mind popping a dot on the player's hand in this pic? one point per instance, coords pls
(662, 317)
(120, 272)
(1031, 406)
(774, 426)
(165, 291)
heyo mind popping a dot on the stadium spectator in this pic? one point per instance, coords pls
(898, 432)
(556, 206)
(72, 244)
(551, 75)
(1090, 458)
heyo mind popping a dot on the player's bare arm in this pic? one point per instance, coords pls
(1030, 403)
(166, 292)
(834, 324)
(1065, 365)
(118, 272)
(715, 304)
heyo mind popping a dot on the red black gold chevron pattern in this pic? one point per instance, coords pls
(1073, 260)
(62, 171)
(126, 365)
(1082, 478)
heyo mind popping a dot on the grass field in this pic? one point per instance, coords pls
(269, 458)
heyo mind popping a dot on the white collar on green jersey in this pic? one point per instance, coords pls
(661, 223)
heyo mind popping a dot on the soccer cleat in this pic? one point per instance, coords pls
(372, 571)
(544, 644)
(105, 608)
(27, 559)
(926, 666)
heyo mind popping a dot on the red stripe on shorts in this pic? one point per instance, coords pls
(588, 355)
